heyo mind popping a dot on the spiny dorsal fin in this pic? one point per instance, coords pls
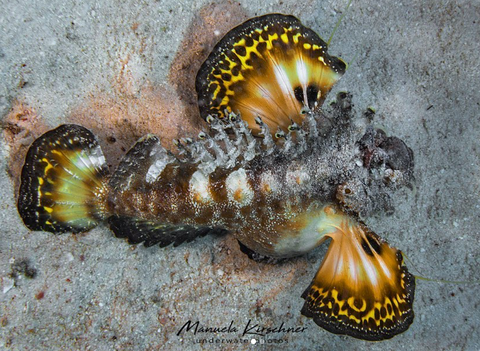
(143, 163)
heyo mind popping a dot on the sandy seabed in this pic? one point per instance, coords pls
(127, 69)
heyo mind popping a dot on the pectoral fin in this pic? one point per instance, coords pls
(362, 288)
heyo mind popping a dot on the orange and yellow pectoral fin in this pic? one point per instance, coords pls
(362, 288)
(270, 67)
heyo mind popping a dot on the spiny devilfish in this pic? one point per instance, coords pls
(276, 170)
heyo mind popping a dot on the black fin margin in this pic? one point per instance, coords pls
(226, 44)
(332, 325)
(152, 233)
(342, 329)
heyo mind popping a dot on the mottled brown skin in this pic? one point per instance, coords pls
(160, 200)
(259, 224)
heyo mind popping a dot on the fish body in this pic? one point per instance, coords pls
(281, 192)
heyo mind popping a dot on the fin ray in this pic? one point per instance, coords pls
(273, 64)
(151, 233)
(139, 160)
(362, 288)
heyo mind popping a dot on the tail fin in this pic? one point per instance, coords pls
(362, 288)
(63, 182)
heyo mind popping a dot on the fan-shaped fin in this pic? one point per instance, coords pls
(270, 66)
(63, 183)
(362, 288)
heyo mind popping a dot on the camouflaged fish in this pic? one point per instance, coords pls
(279, 172)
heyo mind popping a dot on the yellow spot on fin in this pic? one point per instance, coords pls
(270, 67)
(63, 181)
(362, 288)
